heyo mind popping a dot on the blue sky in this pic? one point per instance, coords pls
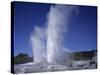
(81, 35)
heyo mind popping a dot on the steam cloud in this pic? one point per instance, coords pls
(58, 20)
(38, 39)
(48, 42)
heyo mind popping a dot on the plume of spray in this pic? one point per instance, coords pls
(38, 40)
(59, 17)
(47, 42)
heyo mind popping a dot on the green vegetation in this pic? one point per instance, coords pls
(22, 58)
(84, 55)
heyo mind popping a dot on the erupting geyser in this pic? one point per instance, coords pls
(38, 44)
(48, 41)
(58, 20)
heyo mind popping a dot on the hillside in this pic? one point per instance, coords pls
(85, 55)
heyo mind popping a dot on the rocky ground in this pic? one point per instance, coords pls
(45, 67)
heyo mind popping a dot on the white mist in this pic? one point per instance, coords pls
(58, 20)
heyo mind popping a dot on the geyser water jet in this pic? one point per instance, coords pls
(48, 41)
(38, 44)
(58, 20)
